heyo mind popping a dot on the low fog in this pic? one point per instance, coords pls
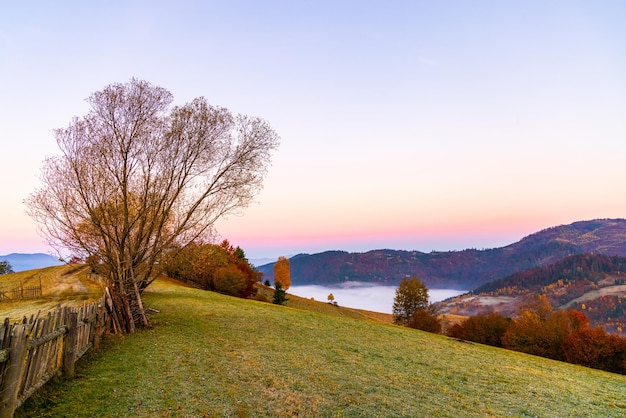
(364, 296)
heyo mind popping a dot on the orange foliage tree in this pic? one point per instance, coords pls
(540, 330)
(282, 273)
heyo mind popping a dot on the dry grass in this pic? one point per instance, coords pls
(68, 284)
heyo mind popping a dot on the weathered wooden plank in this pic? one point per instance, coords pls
(14, 370)
(36, 342)
(30, 369)
(69, 356)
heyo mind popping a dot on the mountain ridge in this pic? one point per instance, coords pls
(23, 262)
(465, 269)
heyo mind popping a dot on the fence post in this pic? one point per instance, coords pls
(99, 325)
(69, 345)
(14, 369)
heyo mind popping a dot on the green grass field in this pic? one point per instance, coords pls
(213, 355)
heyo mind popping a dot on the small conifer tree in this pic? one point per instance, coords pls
(280, 296)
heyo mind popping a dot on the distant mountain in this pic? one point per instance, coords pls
(465, 269)
(261, 261)
(591, 268)
(22, 262)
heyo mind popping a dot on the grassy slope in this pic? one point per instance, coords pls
(67, 284)
(213, 355)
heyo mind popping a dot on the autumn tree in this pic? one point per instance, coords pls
(196, 263)
(485, 328)
(281, 272)
(137, 177)
(411, 295)
(222, 268)
(540, 330)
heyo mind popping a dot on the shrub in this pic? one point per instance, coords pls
(486, 328)
(230, 281)
(425, 320)
(223, 268)
(597, 349)
(540, 330)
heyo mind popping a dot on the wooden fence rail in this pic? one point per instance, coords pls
(34, 350)
(21, 293)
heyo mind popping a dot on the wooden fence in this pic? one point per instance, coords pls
(21, 293)
(34, 350)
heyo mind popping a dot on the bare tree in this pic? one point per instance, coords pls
(137, 177)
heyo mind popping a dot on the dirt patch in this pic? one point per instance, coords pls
(469, 305)
(619, 290)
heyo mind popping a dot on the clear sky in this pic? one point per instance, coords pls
(418, 125)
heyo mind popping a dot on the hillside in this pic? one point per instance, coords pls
(213, 355)
(68, 284)
(73, 285)
(592, 283)
(466, 269)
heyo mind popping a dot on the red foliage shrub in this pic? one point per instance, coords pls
(577, 319)
(223, 268)
(424, 320)
(597, 349)
(486, 328)
(230, 280)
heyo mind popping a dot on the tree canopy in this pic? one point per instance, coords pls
(222, 268)
(282, 272)
(411, 296)
(137, 177)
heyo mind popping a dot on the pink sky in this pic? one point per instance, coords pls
(422, 126)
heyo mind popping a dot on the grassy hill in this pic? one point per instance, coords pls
(67, 284)
(214, 355)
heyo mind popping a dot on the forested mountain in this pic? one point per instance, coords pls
(590, 268)
(465, 269)
(591, 283)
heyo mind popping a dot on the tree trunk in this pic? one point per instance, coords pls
(122, 310)
(128, 314)
(141, 312)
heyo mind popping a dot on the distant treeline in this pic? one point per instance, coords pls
(592, 267)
